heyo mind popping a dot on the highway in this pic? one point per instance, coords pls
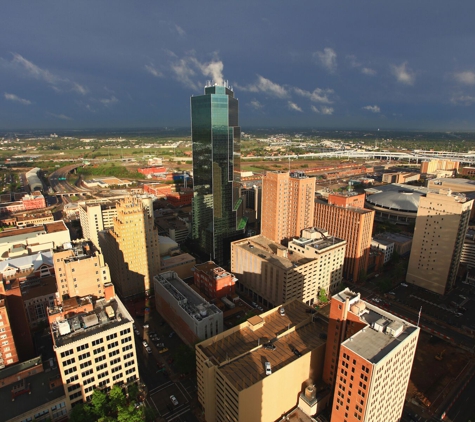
(59, 184)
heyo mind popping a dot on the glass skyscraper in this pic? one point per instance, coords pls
(217, 206)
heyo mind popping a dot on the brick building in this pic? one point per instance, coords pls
(213, 281)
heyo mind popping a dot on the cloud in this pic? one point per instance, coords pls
(56, 82)
(155, 72)
(403, 74)
(109, 101)
(293, 106)
(323, 110)
(318, 95)
(180, 30)
(268, 87)
(327, 59)
(13, 97)
(461, 99)
(354, 63)
(368, 71)
(60, 116)
(467, 77)
(256, 104)
(373, 109)
(326, 110)
(185, 70)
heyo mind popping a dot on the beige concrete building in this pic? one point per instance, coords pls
(441, 225)
(232, 366)
(272, 274)
(99, 214)
(431, 166)
(28, 240)
(131, 248)
(94, 345)
(80, 271)
(287, 205)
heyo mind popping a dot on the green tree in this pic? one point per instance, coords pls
(116, 398)
(322, 296)
(131, 414)
(80, 413)
(98, 403)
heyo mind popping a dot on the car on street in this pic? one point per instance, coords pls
(145, 344)
(268, 368)
(148, 349)
(403, 284)
(172, 334)
(163, 350)
(137, 332)
(174, 400)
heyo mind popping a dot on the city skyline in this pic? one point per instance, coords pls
(313, 65)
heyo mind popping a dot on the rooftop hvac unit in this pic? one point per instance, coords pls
(310, 393)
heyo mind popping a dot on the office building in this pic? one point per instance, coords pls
(347, 199)
(217, 206)
(272, 274)
(215, 282)
(242, 378)
(368, 360)
(189, 314)
(131, 248)
(432, 166)
(441, 225)
(386, 246)
(80, 271)
(28, 240)
(94, 344)
(98, 214)
(8, 350)
(355, 225)
(287, 205)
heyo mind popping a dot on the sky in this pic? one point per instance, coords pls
(346, 64)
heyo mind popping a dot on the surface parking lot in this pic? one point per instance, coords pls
(160, 401)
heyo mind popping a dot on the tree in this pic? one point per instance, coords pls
(322, 296)
(98, 403)
(116, 398)
(80, 413)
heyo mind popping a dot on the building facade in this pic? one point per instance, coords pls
(215, 282)
(441, 226)
(287, 205)
(131, 248)
(8, 352)
(273, 274)
(368, 360)
(355, 225)
(94, 345)
(216, 136)
(190, 315)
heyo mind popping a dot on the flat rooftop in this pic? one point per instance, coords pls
(187, 298)
(172, 261)
(41, 393)
(377, 339)
(240, 352)
(84, 324)
(354, 209)
(266, 249)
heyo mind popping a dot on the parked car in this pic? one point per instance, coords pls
(172, 334)
(137, 332)
(148, 349)
(269, 346)
(296, 352)
(268, 368)
(163, 350)
(174, 400)
(145, 344)
(282, 311)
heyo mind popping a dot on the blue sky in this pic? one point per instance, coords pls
(332, 64)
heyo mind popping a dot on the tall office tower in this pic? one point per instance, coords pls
(287, 205)
(131, 248)
(93, 339)
(217, 206)
(80, 271)
(441, 225)
(99, 214)
(8, 352)
(273, 274)
(355, 225)
(368, 360)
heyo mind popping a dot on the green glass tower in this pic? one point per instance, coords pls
(216, 135)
